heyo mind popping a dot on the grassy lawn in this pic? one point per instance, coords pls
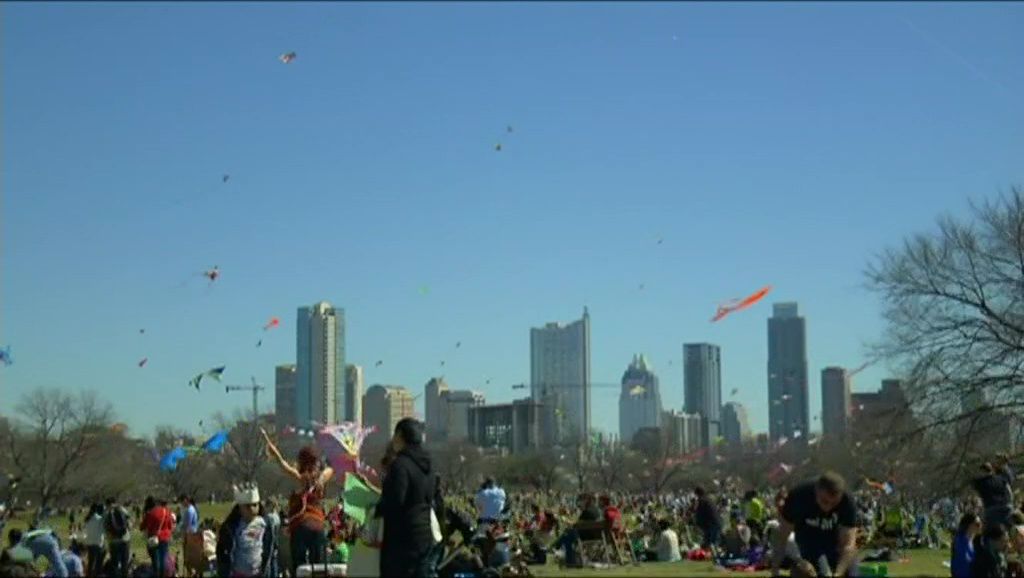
(922, 563)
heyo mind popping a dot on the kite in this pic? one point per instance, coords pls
(497, 147)
(216, 442)
(359, 497)
(143, 362)
(212, 274)
(169, 462)
(458, 344)
(5, 356)
(442, 363)
(225, 178)
(424, 290)
(379, 363)
(519, 386)
(661, 239)
(508, 128)
(341, 445)
(142, 331)
(735, 390)
(274, 323)
(259, 343)
(740, 304)
(288, 58)
(637, 390)
(200, 423)
(214, 373)
(641, 286)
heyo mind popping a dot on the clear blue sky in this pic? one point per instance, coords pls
(773, 143)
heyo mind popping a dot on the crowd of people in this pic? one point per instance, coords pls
(415, 528)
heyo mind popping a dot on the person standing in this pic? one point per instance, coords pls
(407, 503)
(95, 540)
(707, 519)
(962, 552)
(245, 545)
(306, 517)
(994, 486)
(158, 525)
(823, 516)
(117, 524)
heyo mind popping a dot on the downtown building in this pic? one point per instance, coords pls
(511, 428)
(836, 402)
(787, 374)
(447, 411)
(383, 407)
(702, 384)
(560, 375)
(284, 396)
(640, 400)
(353, 410)
(320, 365)
(735, 424)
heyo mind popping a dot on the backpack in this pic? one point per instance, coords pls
(116, 524)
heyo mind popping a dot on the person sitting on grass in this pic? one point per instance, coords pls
(668, 543)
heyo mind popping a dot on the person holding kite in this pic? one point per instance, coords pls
(306, 516)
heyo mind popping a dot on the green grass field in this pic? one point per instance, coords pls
(921, 562)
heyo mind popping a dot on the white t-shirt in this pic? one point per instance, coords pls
(95, 533)
(248, 548)
(668, 546)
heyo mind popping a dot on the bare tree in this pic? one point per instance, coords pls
(53, 436)
(954, 304)
(245, 453)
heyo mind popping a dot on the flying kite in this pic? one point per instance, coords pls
(274, 323)
(216, 442)
(5, 356)
(735, 390)
(142, 331)
(259, 343)
(458, 344)
(740, 304)
(214, 373)
(508, 128)
(519, 386)
(212, 274)
(424, 290)
(169, 462)
(497, 147)
(225, 178)
(142, 363)
(379, 363)
(288, 58)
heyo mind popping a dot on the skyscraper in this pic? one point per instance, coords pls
(787, 373)
(835, 402)
(384, 406)
(320, 365)
(560, 372)
(735, 426)
(436, 418)
(457, 406)
(702, 385)
(353, 394)
(284, 396)
(640, 400)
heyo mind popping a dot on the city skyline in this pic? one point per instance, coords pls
(735, 149)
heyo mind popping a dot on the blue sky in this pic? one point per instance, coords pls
(774, 143)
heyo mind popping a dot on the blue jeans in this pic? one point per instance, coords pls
(46, 546)
(568, 541)
(158, 556)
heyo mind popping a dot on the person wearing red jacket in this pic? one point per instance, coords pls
(612, 516)
(158, 525)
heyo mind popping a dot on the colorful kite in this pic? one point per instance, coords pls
(288, 58)
(274, 323)
(169, 462)
(740, 304)
(142, 363)
(214, 373)
(5, 356)
(359, 497)
(216, 442)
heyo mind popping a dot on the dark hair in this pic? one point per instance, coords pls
(663, 524)
(488, 483)
(148, 504)
(966, 520)
(699, 491)
(309, 459)
(184, 498)
(410, 430)
(75, 548)
(994, 532)
(831, 482)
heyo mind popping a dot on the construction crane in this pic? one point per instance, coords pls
(255, 388)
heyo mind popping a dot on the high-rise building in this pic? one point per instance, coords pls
(835, 402)
(353, 394)
(735, 425)
(383, 407)
(685, 432)
(702, 385)
(640, 400)
(457, 405)
(509, 428)
(787, 374)
(284, 396)
(320, 365)
(436, 418)
(560, 371)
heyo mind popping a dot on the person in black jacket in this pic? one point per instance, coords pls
(707, 519)
(994, 489)
(990, 554)
(407, 500)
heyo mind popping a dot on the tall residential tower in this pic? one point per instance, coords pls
(320, 365)
(560, 372)
(787, 373)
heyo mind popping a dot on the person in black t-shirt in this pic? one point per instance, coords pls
(824, 517)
